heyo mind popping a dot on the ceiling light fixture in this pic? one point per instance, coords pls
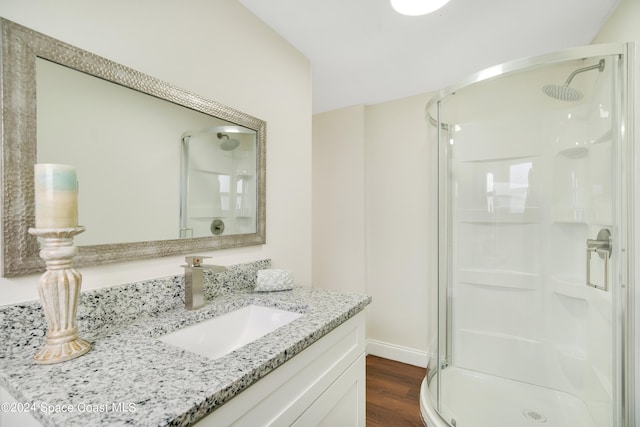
(417, 7)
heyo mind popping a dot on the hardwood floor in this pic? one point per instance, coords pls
(393, 393)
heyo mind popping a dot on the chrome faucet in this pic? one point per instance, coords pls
(194, 280)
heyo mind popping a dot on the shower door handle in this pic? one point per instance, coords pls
(602, 246)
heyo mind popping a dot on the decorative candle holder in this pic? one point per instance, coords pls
(59, 290)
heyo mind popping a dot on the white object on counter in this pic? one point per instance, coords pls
(274, 279)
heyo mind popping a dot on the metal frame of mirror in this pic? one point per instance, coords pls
(21, 47)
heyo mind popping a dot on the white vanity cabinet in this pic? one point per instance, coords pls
(324, 385)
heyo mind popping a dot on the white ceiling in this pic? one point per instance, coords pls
(362, 52)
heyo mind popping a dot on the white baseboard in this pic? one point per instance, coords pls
(398, 353)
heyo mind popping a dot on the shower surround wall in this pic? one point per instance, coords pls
(522, 214)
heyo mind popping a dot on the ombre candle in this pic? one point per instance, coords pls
(56, 188)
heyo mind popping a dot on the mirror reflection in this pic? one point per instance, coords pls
(218, 182)
(162, 171)
(135, 183)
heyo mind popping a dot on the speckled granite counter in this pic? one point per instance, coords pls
(132, 378)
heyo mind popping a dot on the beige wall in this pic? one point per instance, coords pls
(372, 177)
(339, 199)
(622, 25)
(221, 51)
(401, 232)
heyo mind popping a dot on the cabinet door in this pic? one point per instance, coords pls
(287, 394)
(342, 404)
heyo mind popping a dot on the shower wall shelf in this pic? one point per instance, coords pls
(569, 215)
(575, 153)
(208, 172)
(575, 288)
(597, 220)
(520, 156)
(531, 215)
(605, 137)
(581, 149)
(208, 217)
(571, 287)
(204, 213)
(499, 278)
(581, 216)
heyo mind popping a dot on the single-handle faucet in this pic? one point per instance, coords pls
(194, 280)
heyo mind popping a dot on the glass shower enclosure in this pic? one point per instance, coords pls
(528, 318)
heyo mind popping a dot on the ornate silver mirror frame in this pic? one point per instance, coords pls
(21, 47)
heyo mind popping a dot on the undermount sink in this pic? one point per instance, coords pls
(216, 337)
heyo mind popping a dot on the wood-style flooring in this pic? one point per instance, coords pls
(393, 393)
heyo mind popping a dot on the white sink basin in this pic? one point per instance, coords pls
(221, 335)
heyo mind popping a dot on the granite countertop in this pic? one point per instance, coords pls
(130, 377)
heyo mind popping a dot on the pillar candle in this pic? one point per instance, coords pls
(56, 188)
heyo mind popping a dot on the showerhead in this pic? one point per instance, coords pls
(562, 92)
(227, 144)
(565, 92)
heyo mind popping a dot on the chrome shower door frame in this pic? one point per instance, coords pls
(624, 214)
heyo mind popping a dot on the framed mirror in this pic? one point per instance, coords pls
(161, 171)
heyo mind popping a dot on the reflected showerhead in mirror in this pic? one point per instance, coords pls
(227, 144)
(564, 92)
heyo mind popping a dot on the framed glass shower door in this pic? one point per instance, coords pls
(532, 214)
